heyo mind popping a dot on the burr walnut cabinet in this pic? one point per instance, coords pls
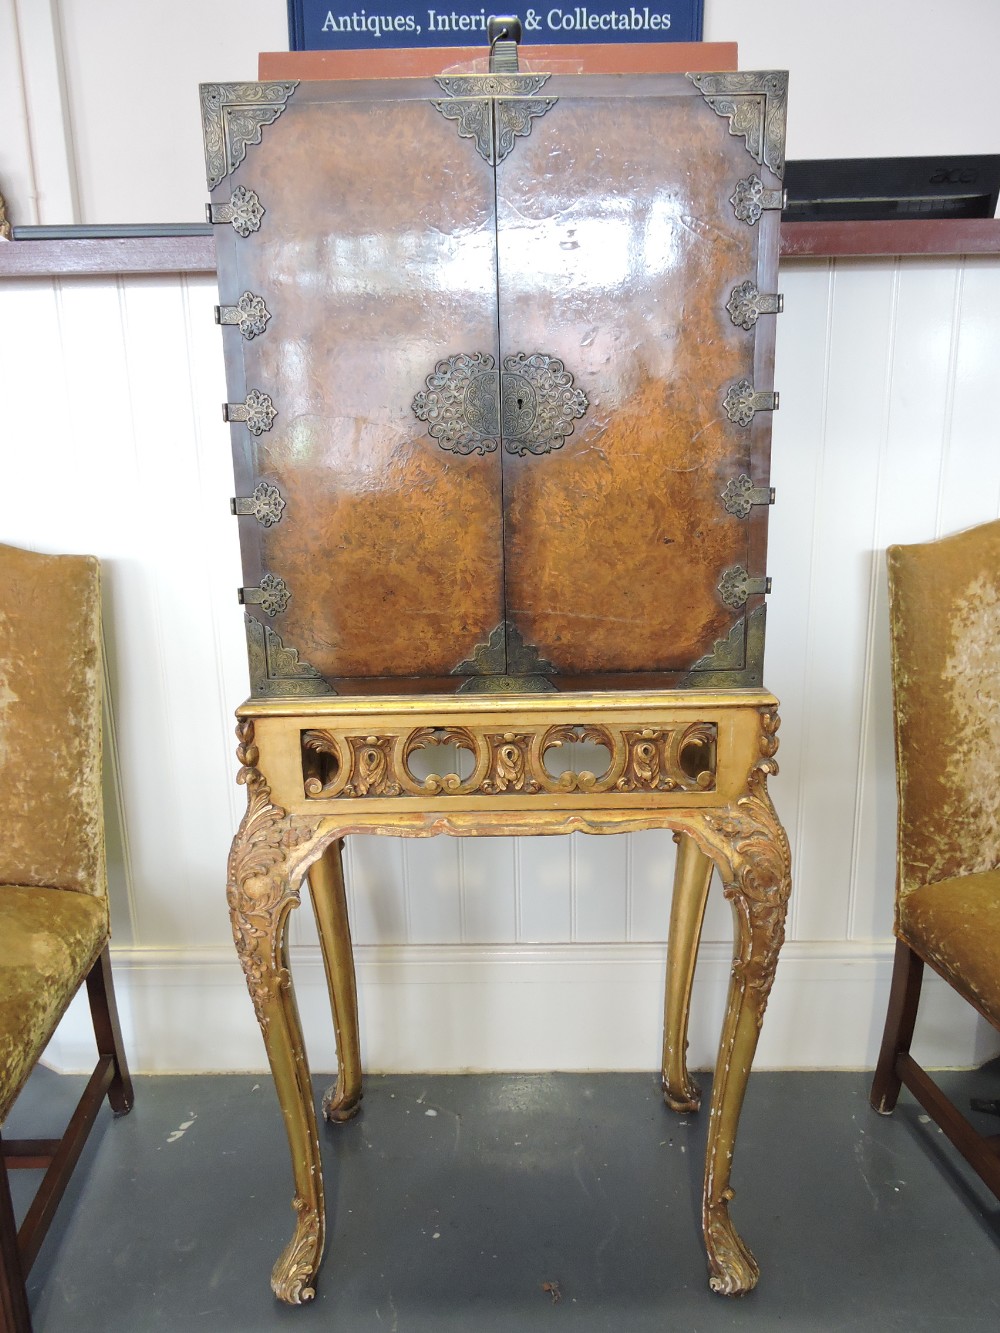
(499, 351)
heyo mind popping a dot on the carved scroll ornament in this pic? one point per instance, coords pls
(257, 892)
(340, 765)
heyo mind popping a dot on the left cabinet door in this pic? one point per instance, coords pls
(376, 540)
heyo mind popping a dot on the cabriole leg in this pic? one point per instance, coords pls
(262, 890)
(752, 854)
(687, 912)
(329, 898)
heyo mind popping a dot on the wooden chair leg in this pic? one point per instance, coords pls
(14, 1313)
(904, 996)
(107, 1030)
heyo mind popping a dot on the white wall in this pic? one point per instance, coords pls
(544, 953)
(99, 101)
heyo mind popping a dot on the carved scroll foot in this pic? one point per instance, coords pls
(293, 1273)
(326, 885)
(687, 912)
(264, 870)
(732, 1269)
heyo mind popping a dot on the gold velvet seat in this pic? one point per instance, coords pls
(51, 940)
(54, 926)
(945, 630)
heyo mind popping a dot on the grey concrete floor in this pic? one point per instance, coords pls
(453, 1200)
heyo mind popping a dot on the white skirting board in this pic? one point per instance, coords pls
(518, 1007)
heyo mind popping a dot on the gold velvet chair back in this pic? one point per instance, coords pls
(54, 925)
(944, 601)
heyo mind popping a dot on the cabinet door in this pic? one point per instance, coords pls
(375, 259)
(619, 249)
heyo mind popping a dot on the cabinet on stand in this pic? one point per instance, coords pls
(499, 351)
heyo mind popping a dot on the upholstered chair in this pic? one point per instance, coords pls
(54, 926)
(944, 601)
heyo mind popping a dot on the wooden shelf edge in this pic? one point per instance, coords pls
(914, 236)
(85, 256)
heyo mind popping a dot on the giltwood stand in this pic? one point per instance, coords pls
(317, 771)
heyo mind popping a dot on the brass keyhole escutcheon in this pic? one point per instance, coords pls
(469, 406)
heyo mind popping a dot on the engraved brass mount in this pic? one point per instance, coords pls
(265, 504)
(741, 495)
(493, 110)
(746, 304)
(469, 406)
(243, 212)
(271, 596)
(750, 200)
(249, 314)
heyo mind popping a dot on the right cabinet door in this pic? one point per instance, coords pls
(637, 230)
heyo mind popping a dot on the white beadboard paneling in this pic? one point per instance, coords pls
(860, 369)
(652, 859)
(905, 505)
(177, 683)
(599, 884)
(970, 480)
(378, 890)
(117, 850)
(873, 871)
(545, 898)
(489, 889)
(434, 890)
(804, 333)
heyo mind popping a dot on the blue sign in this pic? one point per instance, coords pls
(341, 25)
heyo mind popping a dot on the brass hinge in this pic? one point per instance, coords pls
(736, 586)
(244, 211)
(249, 312)
(257, 411)
(742, 401)
(750, 199)
(265, 505)
(741, 494)
(746, 304)
(272, 595)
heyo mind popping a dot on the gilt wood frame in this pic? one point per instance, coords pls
(716, 803)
